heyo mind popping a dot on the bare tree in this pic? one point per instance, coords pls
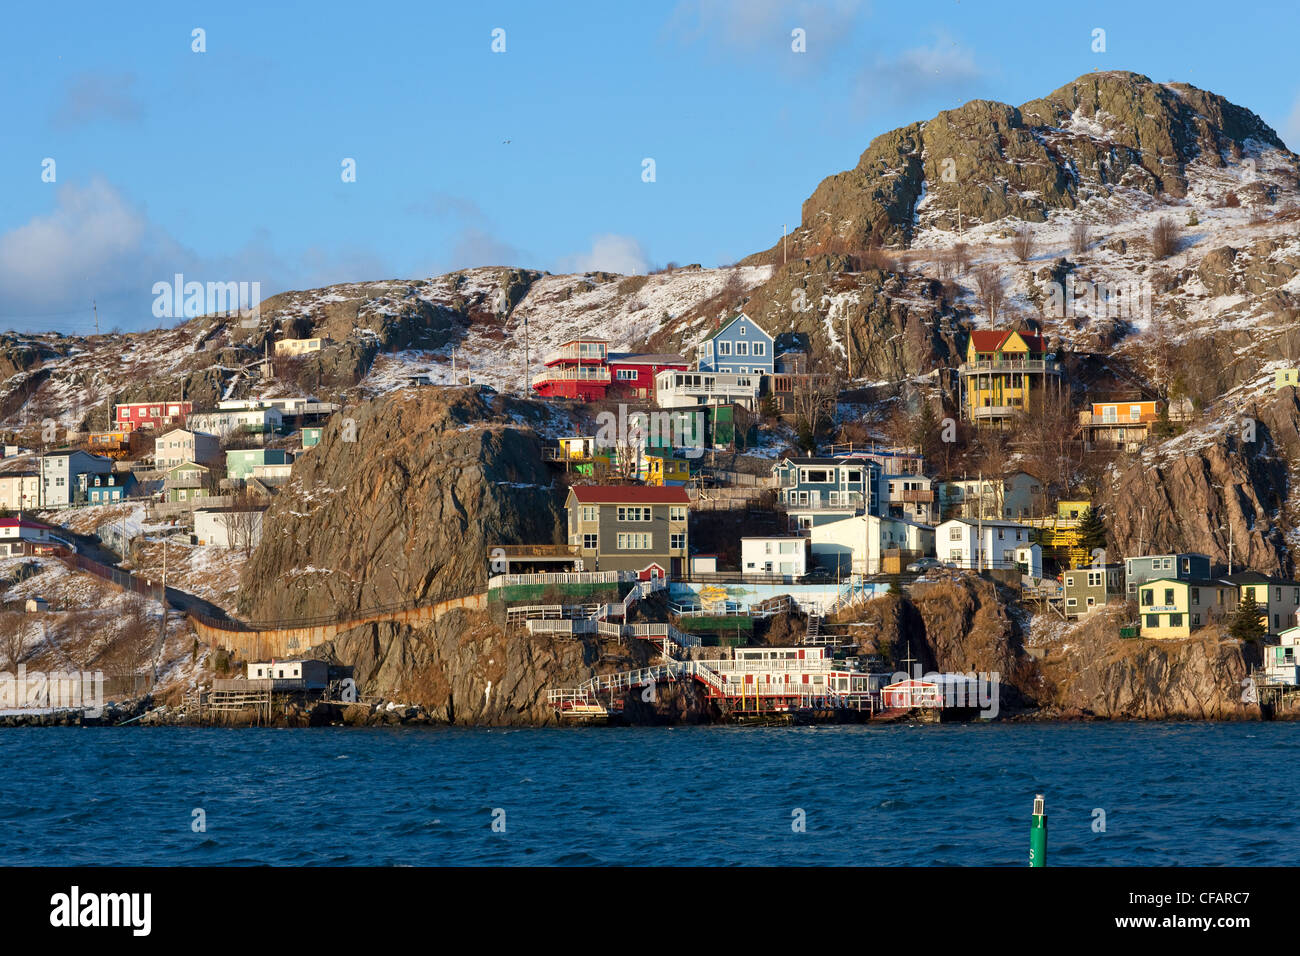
(13, 638)
(1022, 242)
(960, 257)
(988, 289)
(813, 398)
(1080, 238)
(1164, 238)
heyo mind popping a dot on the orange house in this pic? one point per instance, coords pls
(1122, 424)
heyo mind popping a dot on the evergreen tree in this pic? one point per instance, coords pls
(1247, 623)
(1092, 531)
(925, 430)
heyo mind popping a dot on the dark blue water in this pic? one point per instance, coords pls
(1173, 794)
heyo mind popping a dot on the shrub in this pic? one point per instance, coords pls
(1164, 239)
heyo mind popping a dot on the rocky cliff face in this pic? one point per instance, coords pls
(985, 161)
(404, 512)
(1094, 672)
(1214, 485)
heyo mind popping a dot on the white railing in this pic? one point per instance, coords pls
(561, 577)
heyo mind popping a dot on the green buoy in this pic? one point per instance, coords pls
(1038, 834)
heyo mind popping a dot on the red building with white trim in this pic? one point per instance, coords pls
(129, 416)
(586, 370)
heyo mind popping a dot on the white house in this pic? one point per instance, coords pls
(247, 421)
(306, 674)
(1018, 495)
(775, 555)
(674, 389)
(15, 532)
(1282, 661)
(181, 445)
(857, 544)
(19, 490)
(229, 527)
(987, 545)
(296, 347)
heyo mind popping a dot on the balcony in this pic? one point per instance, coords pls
(1041, 366)
(1118, 421)
(581, 373)
(995, 411)
(596, 352)
(913, 496)
(823, 501)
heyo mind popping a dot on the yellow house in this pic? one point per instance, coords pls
(1174, 607)
(1002, 373)
(1286, 376)
(577, 448)
(661, 470)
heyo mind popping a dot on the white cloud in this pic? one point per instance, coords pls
(96, 245)
(608, 253)
(750, 24)
(919, 74)
(1290, 132)
(99, 96)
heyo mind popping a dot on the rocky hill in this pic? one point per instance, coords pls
(406, 511)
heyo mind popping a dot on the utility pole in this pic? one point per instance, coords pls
(784, 255)
(94, 306)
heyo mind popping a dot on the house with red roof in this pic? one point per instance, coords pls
(17, 535)
(1006, 373)
(630, 528)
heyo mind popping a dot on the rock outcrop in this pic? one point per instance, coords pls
(399, 503)
(987, 160)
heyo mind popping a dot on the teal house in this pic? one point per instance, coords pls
(240, 462)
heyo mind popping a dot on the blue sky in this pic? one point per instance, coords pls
(225, 165)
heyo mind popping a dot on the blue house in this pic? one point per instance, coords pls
(105, 489)
(740, 346)
(816, 491)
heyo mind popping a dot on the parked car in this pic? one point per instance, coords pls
(924, 564)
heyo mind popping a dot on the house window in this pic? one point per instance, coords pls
(1195, 596)
(1094, 579)
(627, 375)
(1148, 598)
(589, 541)
(633, 514)
(1196, 620)
(677, 541)
(1070, 602)
(677, 513)
(724, 348)
(1153, 620)
(633, 542)
(760, 348)
(590, 512)
(954, 533)
(1175, 620)
(1169, 596)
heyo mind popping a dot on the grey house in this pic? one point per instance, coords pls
(1086, 589)
(629, 528)
(1183, 567)
(741, 346)
(66, 476)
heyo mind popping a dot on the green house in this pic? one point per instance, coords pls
(311, 436)
(240, 462)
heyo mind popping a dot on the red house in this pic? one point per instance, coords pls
(133, 415)
(585, 369)
(578, 370)
(629, 370)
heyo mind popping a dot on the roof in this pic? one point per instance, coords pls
(847, 460)
(634, 494)
(986, 522)
(19, 523)
(1255, 577)
(992, 340)
(729, 324)
(1190, 582)
(645, 358)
